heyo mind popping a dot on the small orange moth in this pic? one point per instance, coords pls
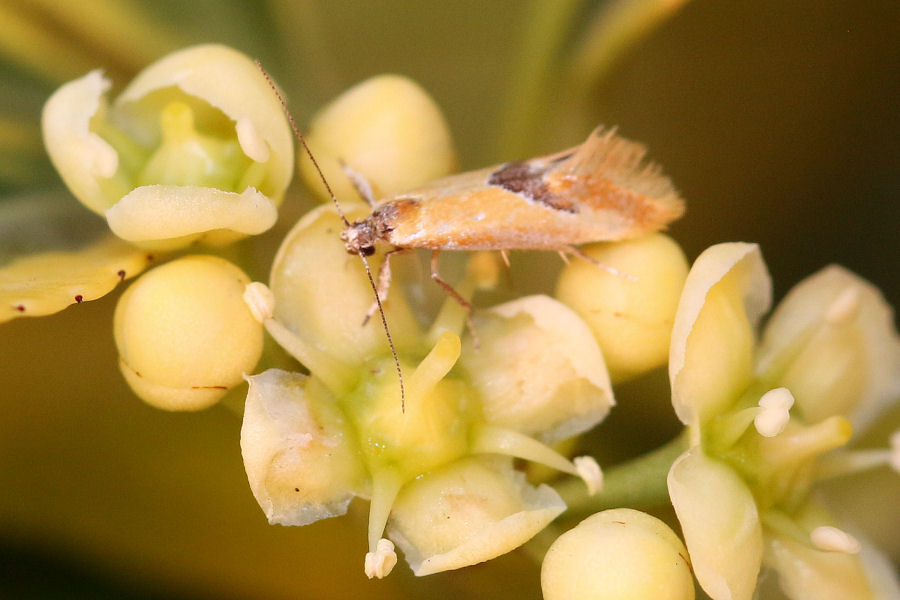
(601, 190)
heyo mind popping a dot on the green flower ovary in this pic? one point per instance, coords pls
(432, 429)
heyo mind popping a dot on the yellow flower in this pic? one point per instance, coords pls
(763, 420)
(434, 468)
(196, 148)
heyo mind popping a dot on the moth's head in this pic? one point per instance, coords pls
(359, 238)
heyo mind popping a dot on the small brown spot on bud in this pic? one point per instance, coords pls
(20, 307)
(121, 274)
(79, 298)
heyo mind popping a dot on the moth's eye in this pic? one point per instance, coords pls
(367, 250)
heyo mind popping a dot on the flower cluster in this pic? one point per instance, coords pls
(428, 422)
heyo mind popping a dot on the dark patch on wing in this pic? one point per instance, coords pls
(524, 179)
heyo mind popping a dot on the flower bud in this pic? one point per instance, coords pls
(631, 313)
(388, 130)
(184, 333)
(619, 554)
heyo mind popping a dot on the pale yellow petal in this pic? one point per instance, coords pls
(82, 158)
(710, 360)
(165, 216)
(805, 573)
(834, 343)
(471, 511)
(720, 522)
(322, 293)
(538, 369)
(298, 452)
(48, 282)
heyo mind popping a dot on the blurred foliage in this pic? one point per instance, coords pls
(778, 121)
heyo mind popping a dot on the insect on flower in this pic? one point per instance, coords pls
(601, 190)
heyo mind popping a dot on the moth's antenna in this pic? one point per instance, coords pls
(340, 212)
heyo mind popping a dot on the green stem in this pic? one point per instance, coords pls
(543, 34)
(637, 483)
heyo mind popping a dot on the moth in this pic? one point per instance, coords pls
(601, 190)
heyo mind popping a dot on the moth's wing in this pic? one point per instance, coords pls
(609, 172)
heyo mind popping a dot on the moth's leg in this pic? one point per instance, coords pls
(455, 295)
(384, 281)
(611, 270)
(360, 183)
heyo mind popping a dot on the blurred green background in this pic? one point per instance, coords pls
(777, 120)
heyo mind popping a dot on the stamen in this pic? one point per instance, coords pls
(337, 377)
(590, 472)
(434, 366)
(775, 413)
(381, 557)
(488, 439)
(260, 300)
(251, 142)
(380, 563)
(832, 539)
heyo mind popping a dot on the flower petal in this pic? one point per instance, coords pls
(82, 158)
(322, 293)
(298, 453)
(805, 573)
(834, 343)
(469, 512)
(538, 369)
(45, 283)
(720, 522)
(710, 361)
(170, 216)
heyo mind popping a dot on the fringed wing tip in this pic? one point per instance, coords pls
(623, 161)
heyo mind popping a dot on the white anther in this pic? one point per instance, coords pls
(895, 451)
(253, 145)
(380, 563)
(844, 307)
(832, 539)
(776, 406)
(260, 300)
(590, 472)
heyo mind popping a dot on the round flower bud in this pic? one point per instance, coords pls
(616, 555)
(184, 333)
(388, 130)
(630, 313)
